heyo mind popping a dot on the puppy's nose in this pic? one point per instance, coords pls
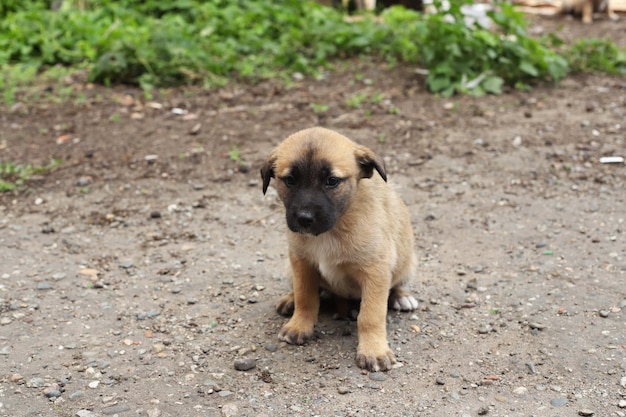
(305, 218)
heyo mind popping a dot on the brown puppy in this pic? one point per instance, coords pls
(349, 233)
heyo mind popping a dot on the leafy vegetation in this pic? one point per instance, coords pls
(156, 43)
(13, 176)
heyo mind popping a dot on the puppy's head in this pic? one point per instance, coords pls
(317, 172)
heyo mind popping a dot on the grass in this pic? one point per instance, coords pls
(156, 44)
(14, 176)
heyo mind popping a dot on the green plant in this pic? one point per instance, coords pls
(234, 154)
(319, 108)
(14, 175)
(596, 55)
(152, 43)
(356, 100)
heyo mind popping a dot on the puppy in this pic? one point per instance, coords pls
(587, 7)
(349, 234)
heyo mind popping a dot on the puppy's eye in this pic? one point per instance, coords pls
(289, 180)
(332, 182)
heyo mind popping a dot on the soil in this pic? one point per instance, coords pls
(136, 275)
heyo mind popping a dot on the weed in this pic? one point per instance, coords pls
(393, 110)
(14, 175)
(115, 118)
(319, 108)
(596, 55)
(376, 98)
(356, 100)
(234, 154)
(153, 43)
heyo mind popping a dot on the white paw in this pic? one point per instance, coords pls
(405, 303)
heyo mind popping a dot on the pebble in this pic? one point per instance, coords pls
(230, 410)
(483, 410)
(377, 376)
(35, 383)
(5, 350)
(120, 408)
(622, 382)
(16, 378)
(603, 313)
(558, 402)
(537, 326)
(245, 364)
(225, 393)
(622, 304)
(125, 264)
(85, 413)
(271, 348)
(155, 215)
(342, 389)
(94, 384)
(586, 412)
(440, 381)
(520, 391)
(5, 320)
(622, 404)
(44, 286)
(76, 394)
(485, 329)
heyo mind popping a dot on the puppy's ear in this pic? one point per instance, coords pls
(267, 171)
(368, 162)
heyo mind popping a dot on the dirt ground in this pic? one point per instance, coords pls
(135, 274)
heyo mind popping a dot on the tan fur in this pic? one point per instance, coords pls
(368, 254)
(586, 8)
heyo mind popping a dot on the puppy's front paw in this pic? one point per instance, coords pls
(295, 334)
(375, 362)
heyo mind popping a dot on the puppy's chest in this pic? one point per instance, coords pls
(335, 276)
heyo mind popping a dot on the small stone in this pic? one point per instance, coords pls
(116, 409)
(53, 393)
(342, 389)
(76, 394)
(85, 413)
(603, 313)
(586, 412)
(94, 384)
(125, 264)
(155, 214)
(245, 364)
(16, 378)
(42, 286)
(622, 404)
(271, 347)
(5, 320)
(225, 393)
(622, 382)
(83, 181)
(537, 326)
(501, 399)
(485, 329)
(558, 402)
(377, 376)
(483, 410)
(520, 391)
(440, 381)
(35, 383)
(230, 410)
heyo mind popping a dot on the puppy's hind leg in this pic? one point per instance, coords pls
(401, 300)
(285, 305)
